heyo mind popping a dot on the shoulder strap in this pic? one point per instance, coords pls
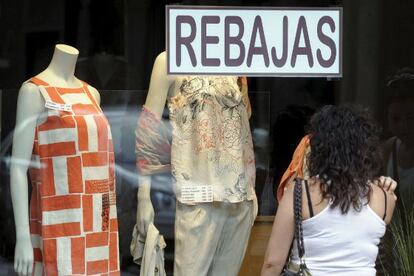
(38, 81)
(89, 94)
(49, 93)
(298, 221)
(84, 83)
(309, 198)
(297, 208)
(385, 208)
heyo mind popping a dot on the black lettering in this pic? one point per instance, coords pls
(282, 61)
(327, 41)
(306, 50)
(235, 40)
(205, 39)
(186, 41)
(262, 49)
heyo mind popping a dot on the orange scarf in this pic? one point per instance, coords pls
(296, 166)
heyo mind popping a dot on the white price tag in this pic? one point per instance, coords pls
(196, 194)
(58, 106)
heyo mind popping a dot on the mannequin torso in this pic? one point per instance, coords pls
(30, 108)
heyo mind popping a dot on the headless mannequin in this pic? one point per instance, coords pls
(30, 105)
(161, 87)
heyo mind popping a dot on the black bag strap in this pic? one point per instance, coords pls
(309, 198)
(297, 203)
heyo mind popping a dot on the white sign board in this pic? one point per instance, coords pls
(254, 41)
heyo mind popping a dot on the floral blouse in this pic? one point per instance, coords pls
(211, 138)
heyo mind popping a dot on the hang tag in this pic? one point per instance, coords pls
(58, 106)
(196, 194)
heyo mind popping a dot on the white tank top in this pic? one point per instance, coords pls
(342, 245)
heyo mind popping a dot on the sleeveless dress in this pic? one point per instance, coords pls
(73, 218)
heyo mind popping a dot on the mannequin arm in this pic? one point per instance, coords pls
(157, 95)
(242, 82)
(30, 105)
(159, 85)
(145, 210)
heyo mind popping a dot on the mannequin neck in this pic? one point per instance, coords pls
(61, 69)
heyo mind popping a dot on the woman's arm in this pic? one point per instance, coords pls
(281, 237)
(388, 184)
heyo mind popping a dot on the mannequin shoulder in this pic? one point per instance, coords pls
(159, 69)
(29, 89)
(161, 58)
(30, 97)
(160, 63)
(95, 93)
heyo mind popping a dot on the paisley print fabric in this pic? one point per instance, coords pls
(211, 138)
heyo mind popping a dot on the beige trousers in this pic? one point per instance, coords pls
(211, 238)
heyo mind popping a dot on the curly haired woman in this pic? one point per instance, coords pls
(344, 213)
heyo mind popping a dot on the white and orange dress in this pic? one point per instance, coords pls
(73, 218)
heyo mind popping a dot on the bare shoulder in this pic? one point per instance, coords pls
(286, 202)
(318, 202)
(379, 200)
(289, 189)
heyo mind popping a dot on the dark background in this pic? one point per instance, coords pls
(118, 41)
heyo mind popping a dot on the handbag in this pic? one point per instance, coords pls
(290, 268)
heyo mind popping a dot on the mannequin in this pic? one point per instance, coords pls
(165, 87)
(32, 112)
(156, 98)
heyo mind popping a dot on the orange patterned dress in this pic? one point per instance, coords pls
(73, 218)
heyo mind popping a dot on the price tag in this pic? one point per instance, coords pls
(196, 194)
(58, 106)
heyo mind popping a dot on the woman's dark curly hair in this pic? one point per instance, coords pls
(345, 154)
